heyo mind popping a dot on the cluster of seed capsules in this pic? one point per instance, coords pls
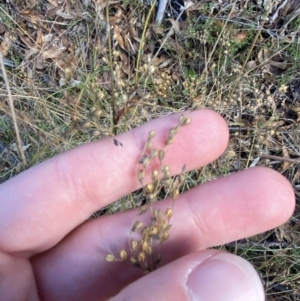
(148, 232)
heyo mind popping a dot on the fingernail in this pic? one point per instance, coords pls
(225, 277)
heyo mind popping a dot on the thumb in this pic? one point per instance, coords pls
(203, 276)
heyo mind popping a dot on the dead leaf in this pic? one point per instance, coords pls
(119, 39)
(53, 3)
(52, 52)
(5, 44)
(286, 155)
(290, 233)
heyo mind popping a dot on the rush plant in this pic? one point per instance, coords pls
(151, 227)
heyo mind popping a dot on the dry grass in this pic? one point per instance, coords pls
(79, 72)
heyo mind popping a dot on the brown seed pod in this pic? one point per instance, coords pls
(68, 73)
(97, 113)
(146, 162)
(95, 133)
(151, 197)
(167, 183)
(145, 232)
(164, 236)
(151, 69)
(149, 250)
(165, 168)
(141, 175)
(158, 214)
(141, 257)
(151, 135)
(145, 246)
(173, 132)
(134, 245)
(169, 213)
(143, 210)
(187, 121)
(93, 109)
(181, 119)
(110, 258)
(154, 175)
(149, 188)
(136, 226)
(167, 174)
(153, 154)
(161, 155)
(175, 193)
(100, 95)
(169, 141)
(123, 254)
(153, 231)
(142, 159)
(86, 124)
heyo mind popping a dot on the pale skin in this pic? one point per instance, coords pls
(48, 251)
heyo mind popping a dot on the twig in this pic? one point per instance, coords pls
(161, 11)
(259, 244)
(280, 158)
(13, 115)
(142, 41)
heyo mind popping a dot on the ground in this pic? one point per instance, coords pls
(80, 71)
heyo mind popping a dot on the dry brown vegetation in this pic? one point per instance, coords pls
(83, 70)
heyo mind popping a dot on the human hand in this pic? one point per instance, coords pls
(49, 252)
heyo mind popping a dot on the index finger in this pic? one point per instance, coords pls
(42, 205)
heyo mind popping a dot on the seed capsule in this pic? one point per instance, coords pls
(97, 113)
(143, 210)
(153, 231)
(161, 155)
(154, 175)
(134, 245)
(169, 141)
(136, 226)
(151, 197)
(68, 73)
(175, 193)
(181, 119)
(145, 246)
(173, 132)
(100, 95)
(123, 255)
(142, 257)
(169, 213)
(141, 175)
(149, 188)
(164, 236)
(110, 258)
(153, 154)
(151, 135)
(187, 121)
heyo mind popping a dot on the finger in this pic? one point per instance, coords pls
(215, 213)
(53, 198)
(206, 276)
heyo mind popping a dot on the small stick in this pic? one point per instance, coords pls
(161, 11)
(280, 158)
(13, 115)
(259, 244)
